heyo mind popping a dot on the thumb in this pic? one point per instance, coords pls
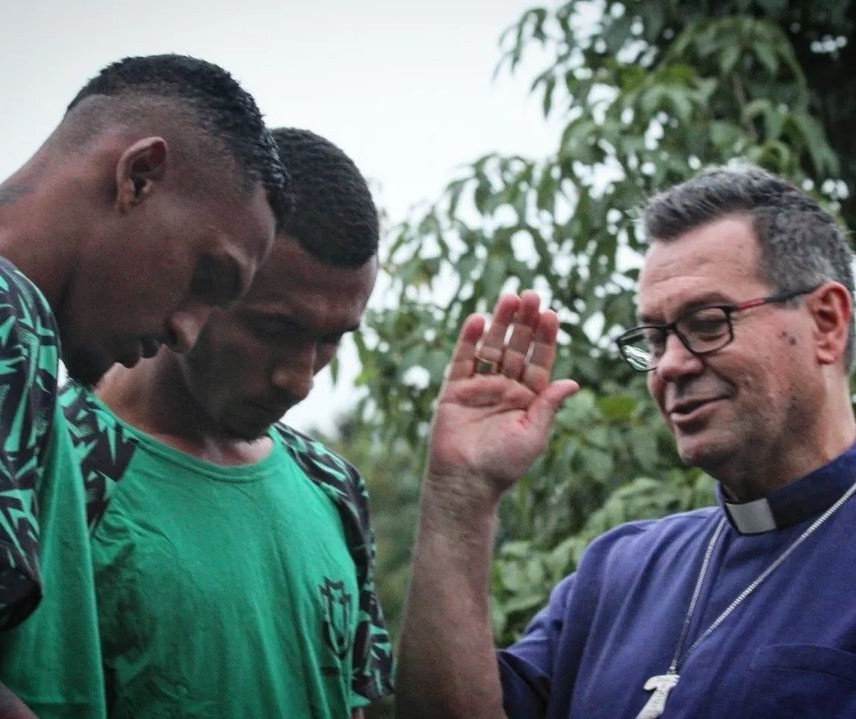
(544, 408)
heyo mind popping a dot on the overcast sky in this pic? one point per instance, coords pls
(405, 88)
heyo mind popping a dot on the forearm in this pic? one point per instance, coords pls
(11, 707)
(447, 664)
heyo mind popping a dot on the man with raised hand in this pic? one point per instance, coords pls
(150, 203)
(743, 609)
(234, 559)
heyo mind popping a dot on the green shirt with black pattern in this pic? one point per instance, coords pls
(49, 646)
(230, 591)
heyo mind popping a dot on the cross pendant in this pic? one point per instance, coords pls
(662, 685)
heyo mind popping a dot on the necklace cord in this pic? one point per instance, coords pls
(680, 657)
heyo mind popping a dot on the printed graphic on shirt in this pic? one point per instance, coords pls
(103, 448)
(372, 652)
(336, 625)
(29, 357)
(106, 450)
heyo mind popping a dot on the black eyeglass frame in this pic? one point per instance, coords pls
(672, 327)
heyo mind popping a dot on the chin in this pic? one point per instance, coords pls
(86, 367)
(241, 432)
(706, 455)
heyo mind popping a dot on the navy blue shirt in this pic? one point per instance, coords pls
(787, 650)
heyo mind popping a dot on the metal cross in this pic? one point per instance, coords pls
(662, 685)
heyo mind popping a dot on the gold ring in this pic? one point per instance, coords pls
(486, 366)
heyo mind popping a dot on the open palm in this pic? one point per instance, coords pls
(497, 404)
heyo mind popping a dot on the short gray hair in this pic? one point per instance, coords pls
(801, 243)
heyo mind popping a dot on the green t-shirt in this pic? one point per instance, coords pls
(49, 651)
(229, 591)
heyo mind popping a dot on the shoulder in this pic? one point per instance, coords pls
(29, 366)
(80, 412)
(341, 482)
(633, 550)
(650, 534)
(21, 298)
(372, 651)
(321, 464)
(28, 330)
(102, 446)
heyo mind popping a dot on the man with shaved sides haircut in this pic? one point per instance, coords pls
(155, 199)
(234, 559)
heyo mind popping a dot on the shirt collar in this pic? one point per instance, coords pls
(795, 502)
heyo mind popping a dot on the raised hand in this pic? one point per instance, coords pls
(497, 404)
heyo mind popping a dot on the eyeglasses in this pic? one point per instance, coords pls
(701, 330)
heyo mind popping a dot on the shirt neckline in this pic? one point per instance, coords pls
(796, 502)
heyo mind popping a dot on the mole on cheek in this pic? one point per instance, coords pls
(789, 338)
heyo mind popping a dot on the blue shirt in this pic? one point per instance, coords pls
(787, 650)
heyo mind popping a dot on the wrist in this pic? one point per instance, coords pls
(459, 509)
(466, 493)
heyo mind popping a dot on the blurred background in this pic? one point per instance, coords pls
(406, 89)
(509, 146)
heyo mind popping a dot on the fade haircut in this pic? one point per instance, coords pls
(334, 216)
(801, 244)
(225, 113)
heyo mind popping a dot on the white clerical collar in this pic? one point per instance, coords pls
(796, 502)
(751, 517)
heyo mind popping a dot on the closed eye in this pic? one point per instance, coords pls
(274, 326)
(216, 281)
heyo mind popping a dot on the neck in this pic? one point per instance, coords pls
(153, 397)
(39, 230)
(816, 447)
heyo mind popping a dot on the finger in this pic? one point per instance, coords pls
(542, 357)
(493, 342)
(461, 364)
(543, 410)
(522, 332)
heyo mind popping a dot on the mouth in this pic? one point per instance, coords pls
(687, 411)
(269, 411)
(145, 347)
(129, 359)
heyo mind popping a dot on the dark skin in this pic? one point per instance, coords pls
(265, 349)
(74, 215)
(9, 194)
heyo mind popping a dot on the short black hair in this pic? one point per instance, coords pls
(223, 109)
(334, 217)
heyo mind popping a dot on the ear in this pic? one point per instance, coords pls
(139, 166)
(831, 308)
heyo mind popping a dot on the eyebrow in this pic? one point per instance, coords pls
(708, 300)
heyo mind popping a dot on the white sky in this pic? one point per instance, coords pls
(405, 88)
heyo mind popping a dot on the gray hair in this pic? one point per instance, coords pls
(802, 245)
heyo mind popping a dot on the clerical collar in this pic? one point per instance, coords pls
(796, 502)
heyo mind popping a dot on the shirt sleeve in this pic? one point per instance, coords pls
(373, 664)
(29, 356)
(103, 448)
(372, 659)
(526, 667)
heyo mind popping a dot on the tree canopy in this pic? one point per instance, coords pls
(648, 92)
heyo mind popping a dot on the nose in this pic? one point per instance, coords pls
(677, 361)
(186, 323)
(295, 374)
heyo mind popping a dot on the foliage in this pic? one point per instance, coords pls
(648, 92)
